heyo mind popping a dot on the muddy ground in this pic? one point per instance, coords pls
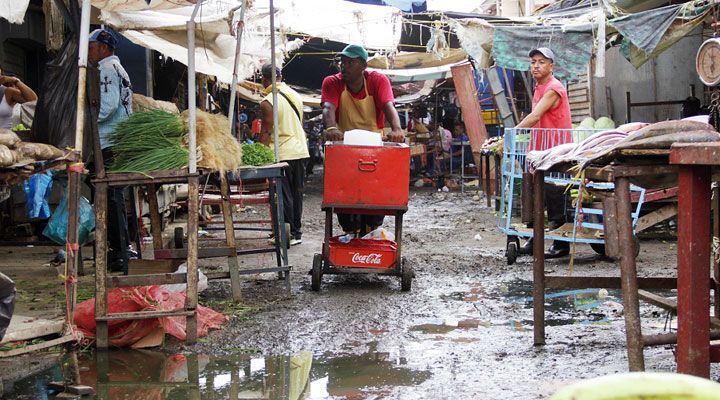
(464, 331)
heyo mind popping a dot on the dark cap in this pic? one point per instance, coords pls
(266, 71)
(355, 51)
(547, 53)
(105, 36)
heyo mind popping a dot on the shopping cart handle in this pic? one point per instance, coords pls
(367, 166)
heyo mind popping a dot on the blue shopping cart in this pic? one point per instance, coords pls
(585, 209)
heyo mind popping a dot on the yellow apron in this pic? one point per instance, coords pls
(357, 114)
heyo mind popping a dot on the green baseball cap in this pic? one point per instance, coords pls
(355, 51)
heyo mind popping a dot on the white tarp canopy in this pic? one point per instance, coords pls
(416, 74)
(375, 27)
(13, 10)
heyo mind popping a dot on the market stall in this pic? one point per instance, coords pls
(641, 158)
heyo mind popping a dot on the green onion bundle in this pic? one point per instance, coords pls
(257, 154)
(149, 141)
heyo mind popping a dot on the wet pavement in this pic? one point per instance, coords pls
(464, 331)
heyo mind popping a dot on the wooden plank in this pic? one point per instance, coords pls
(24, 328)
(144, 267)
(655, 217)
(207, 252)
(144, 315)
(38, 346)
(464, 82)
(695, 153)
(146, 280)
(659, 301)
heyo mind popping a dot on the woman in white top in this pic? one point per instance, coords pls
(13, 92)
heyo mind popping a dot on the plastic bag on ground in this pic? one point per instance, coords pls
(180, 287)
(37, 191)
(380, 234)
(7, 302)
(56, 229)
(144, 298)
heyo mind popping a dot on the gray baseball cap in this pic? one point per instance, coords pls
(547, 53)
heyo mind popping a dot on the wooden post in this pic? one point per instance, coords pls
(155, 217)
(101, 333)
(230, 236)
(191, 300)
(715, 263)
(539, 258)
(693, 350)
(72, 245)
(628, 276)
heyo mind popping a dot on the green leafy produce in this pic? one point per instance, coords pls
(588, 123)
(257, 154)
(604, 123)
(149, 141)
(19, 127)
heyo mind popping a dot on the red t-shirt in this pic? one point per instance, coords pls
(557, 117)
(378, 86)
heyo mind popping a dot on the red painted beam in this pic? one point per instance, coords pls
(693, 269)
(471, 112)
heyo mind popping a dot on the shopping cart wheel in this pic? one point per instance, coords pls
(600, 247)
(406, 277)
(178, 236)
(316, 272)
(511, 252)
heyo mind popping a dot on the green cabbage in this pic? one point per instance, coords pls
(604, 123)
(587, 123)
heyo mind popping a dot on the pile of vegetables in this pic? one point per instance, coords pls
(149, 141)
(600, 123)
(13, 150)
(257, 154)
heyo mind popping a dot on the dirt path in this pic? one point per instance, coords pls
(468, 319)
(464, 331)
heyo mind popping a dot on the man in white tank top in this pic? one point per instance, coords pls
(13, 91)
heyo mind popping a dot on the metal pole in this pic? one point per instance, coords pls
(233, 87)
(192, 134)
(149, 73)
(82, 77)
(276, 137)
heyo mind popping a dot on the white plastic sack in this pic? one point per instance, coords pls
(180, 287)
(380, 234)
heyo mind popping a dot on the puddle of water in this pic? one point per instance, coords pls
(141, 374)
(447, 326)
(563, 307)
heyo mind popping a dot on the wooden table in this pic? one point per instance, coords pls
(694, 351)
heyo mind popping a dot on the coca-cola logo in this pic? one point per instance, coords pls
(372, 258)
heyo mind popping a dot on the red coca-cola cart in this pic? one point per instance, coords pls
(364, 180)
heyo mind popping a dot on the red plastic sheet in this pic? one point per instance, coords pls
(144, 298)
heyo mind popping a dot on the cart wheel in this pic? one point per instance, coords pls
(598, 248)
(407, 276)
(511, 252)
(316, 272)
(178, 236)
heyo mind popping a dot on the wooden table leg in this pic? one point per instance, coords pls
(539, 258)
(628, 276)
(191, 300)
(715, 263)
(101, 309)
(230, 237)
(487, 180)
(693, 350)
(155, 217)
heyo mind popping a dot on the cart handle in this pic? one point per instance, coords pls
(367, 166)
